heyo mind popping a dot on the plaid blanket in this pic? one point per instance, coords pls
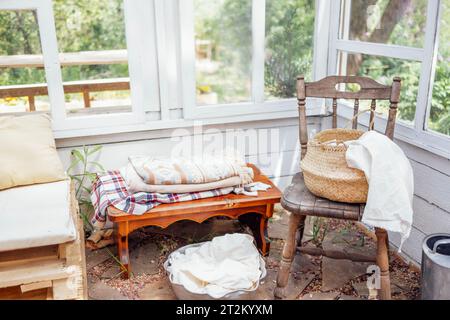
(110, 189)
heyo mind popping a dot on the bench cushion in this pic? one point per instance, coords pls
(36, 215)
(28, 153)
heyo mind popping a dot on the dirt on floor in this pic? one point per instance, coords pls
(311, 278)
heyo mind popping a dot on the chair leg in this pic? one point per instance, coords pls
(383, 263)
(289, 250)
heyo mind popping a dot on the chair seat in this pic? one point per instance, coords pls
(297, 199)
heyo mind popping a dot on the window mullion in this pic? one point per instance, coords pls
(161, 36)
(427, 69)
(321, 35)
(333, 29)
(52, 65)
(187, 57)
(258, 38)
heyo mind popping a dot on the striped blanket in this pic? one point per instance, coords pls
(109, 189)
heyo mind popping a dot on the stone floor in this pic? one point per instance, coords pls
(312, 278)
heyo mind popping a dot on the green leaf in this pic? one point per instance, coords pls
(98, 165)
(91, 176)
(88, 190)
(77, 154)
(94, 149)
(76, 178)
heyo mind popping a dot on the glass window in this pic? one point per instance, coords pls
(383, 70)
(439, 119)
(289, 45)
(397, 22)
(92, 45)
(223, 47)
(23, 85)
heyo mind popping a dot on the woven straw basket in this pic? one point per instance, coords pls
(325, 169)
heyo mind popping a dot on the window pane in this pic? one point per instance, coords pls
(383, 70)
(91, 40)
(439, 119)
(23, 85)
(396, 22)
(289, 45)
(223, 45)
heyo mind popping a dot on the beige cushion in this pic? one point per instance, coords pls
(34, 216)
(28, 153)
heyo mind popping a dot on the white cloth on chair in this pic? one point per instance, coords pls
(391, 182)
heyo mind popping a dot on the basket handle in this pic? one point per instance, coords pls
(358, 114)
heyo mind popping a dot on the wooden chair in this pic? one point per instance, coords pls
(301, 203)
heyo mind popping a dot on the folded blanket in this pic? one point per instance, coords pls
(136, 184)
(391, 182)
(205, 169)
(110, 189)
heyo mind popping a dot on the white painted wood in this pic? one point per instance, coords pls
(433, 7)
(335, 7)
(142, 56)
(63, 122)
(432, 185)
(412, 248)
(282, 182)
(53, 75)
(426, 158)
(429, 218)
(285, 163)
(161, 36)
(21, 4)
(176, 123)
(425, 82)
(173, 59)
(379, 49)
(417, 134)
(321, 35)
(66, 59)
(187, 57)
(288, 128)
(258, 50)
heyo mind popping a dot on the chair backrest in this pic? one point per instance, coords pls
(327, 88)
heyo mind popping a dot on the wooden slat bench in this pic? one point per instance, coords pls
(254, 211)
(52, 272)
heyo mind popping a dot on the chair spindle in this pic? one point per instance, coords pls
(373, 106)
(334, 113)
(355, 114)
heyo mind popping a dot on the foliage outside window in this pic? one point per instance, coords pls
(401, 23)
(384, 69)
(223, 31)
(84, 25)
(289, 45)
(81, 25)
(396, 22)
(19, 35)
(223, 37)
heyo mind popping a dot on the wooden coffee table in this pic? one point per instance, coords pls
(253, 211)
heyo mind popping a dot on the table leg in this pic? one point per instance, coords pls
(258, 224)
(122, 248)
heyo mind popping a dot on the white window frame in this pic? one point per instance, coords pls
(49, 45)
(257, 103)
(416, 134)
